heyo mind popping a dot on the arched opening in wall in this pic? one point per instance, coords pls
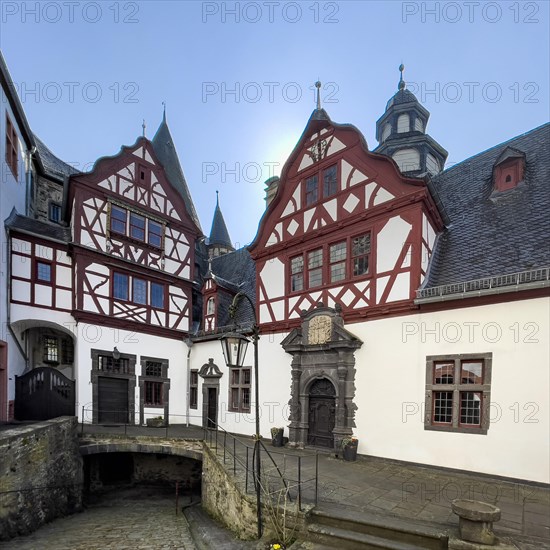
(141, 473)
(322, 413)
(47, 389)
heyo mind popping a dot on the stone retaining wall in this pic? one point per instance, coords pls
(40, 475)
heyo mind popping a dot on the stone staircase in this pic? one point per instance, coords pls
(348, 528)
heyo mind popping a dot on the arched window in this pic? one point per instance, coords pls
(386, 132)
(407, 159)
(403, 124)
(211, 306)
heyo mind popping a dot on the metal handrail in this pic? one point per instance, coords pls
(212, 438)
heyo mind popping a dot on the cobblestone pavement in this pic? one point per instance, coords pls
(128, 519)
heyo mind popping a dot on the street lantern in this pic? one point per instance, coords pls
(234, 351)
(234, 348)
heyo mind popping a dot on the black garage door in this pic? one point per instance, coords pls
(113, 400)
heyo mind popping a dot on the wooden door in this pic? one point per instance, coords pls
(212, 407)
(112, 400)
(322, 414)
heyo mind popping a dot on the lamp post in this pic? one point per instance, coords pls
(234, 347)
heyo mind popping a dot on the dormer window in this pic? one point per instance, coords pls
(210, 306)
(508, 170)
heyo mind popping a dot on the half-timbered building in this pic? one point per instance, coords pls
(397, 301)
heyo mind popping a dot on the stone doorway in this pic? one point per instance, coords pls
(322, 407)
(322, 414)
(211, 374)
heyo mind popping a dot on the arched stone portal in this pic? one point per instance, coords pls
(322, 407)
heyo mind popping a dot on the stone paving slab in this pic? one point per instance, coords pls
(124, 521)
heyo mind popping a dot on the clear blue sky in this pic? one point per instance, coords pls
(89, 72)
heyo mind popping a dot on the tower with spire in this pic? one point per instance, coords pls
(401, 133)
(219, 242)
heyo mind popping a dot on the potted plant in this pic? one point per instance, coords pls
(155, 422)
(277, 437)
(349, 448)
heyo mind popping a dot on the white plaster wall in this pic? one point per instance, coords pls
(390, 387)
(275, 379)
(12, 195)
(390, 383)
(104, 338)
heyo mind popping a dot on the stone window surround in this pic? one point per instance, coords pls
(96, 373)
(484, 388)
(164, 379)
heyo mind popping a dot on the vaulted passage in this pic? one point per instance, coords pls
(106, 471)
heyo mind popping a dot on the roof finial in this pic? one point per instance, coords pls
(401, 85)
(217, 198)
(143, 126)
(318, 86)
(164, 111)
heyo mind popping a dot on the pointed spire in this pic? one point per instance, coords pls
(401, 85)
(318, 86)
(218, 233)
(164, 112)
(143, 126)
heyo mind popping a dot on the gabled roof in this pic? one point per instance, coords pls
(218, 232)
(509, 153)
(44, 230)
(235, 271)
(164, 147)
(52, 165)
(490, 236)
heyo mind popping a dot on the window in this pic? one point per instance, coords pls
(297, 273)
(154, 385)
(330, 181)
(44, 272)
(210, 306)
(139, 291)
(239, 390)
(154, 236)
(153, 368)
(137, 226)
(312, 192)
(51, 351)
(330, 185)
(107, 363)
(118, 220)
(458, 392)
(157, 295)
(120, 286)
(194, 389)
(338, 254)
(153, 393)
(54, 212)
(12, 146)
(67, 351)
(360, 251)
(315, 268)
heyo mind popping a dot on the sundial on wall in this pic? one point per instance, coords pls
(320, 330)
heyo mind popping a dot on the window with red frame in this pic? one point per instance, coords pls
(329, 177)
(360, 252)
(43, 272)
(118, 219)
(337, 259)
(315, 268)
(297, 273)
(137, 226)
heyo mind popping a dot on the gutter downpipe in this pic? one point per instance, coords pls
(189, 344)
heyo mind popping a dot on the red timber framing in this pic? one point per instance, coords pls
(372, 198)
(41, 273)
(128, 220)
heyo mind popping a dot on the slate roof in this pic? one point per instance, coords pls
(219, 233)
(400, 97)
(164, 147)
(51, 231)
(53, 166)
(494, 233)
(235, 271)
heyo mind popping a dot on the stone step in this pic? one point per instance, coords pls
(386, 527)
(352, 540)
